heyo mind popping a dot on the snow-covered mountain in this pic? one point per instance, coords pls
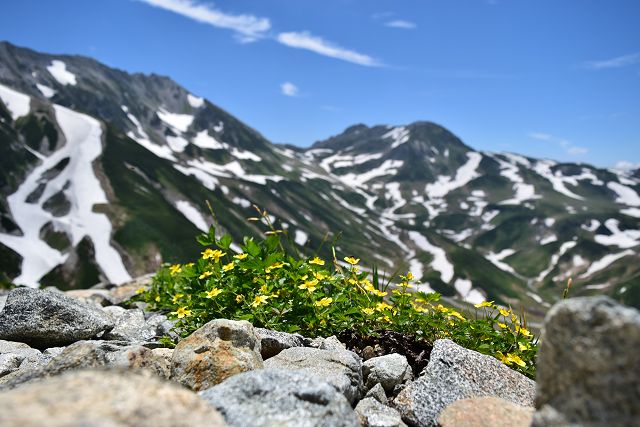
(105, 175)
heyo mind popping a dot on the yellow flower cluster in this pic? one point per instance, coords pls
(214, 254)
(511, 358)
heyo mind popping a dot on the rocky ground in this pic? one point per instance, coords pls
(80, 358)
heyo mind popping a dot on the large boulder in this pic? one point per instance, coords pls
(273, 397)
(455, 373)
(589, 365)
(46, 319)
(104, 399)
(340, 368)
(218, 350)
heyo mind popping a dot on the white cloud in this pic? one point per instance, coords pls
(307, 41)
(247, 28)
(289, 89)
(617, 62)
(400, 23)
(626, 166)
(569, 148)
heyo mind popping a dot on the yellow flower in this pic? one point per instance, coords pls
(260, 299)
(274, 266)
(504, 312)
(324, 302)
(190, 264)
(382, 306)
(239, 298)
(182, 312)
(351, 260)
(205, 274)
(140, 290)
(316, 261)
(523, 331)
(158, 298)
(380, 293)
(419, 308)
(320, 275)
(409, 276)
(502, 325)
(353, 281)
(484, 304)
(369, 287)
(510, 358)
(175, 269)
(523, 347)
(309, 285)
(176, 297)
(456, 315)
(213, 293)
(241, 256)
(264, 289)
(368, 311)
(215, 255)
(387, 319)
(228, 267)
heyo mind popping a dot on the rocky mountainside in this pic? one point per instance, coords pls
(105, 175)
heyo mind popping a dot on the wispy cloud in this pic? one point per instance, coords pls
(569, 148)
(402, 24)
(617, 62)
(307, 41)
(247, 28)
(289, 89)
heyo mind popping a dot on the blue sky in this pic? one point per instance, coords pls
(547, 78)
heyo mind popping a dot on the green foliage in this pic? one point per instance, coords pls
(314, 297)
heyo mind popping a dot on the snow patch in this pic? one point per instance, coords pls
(444, 184)
(301, 238)
(180, 122)
(399, 135)
(46, 90)
(17, 103)
(58, 70)
(622, 239)
(192, 214)
(82, 188)
(626, 195)
(497, 260)
(605, 262)
(440, 262)
(195, 101)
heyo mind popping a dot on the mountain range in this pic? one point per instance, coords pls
(106, 175)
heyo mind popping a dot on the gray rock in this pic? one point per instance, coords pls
(124, 292)
(372, 413)
(378, 393)
(161, 325)
(273, 342)
(130, 325)
(52, 352)
(92, 354)
(332, 343)
(3, 301)
(485, 412)
(273, 397)
(104, 399)
(45, 319)
(589, 365)
(218, 350)
(455, 373)
(11, 346)
(389, 371)
(99, 297)
(9, 363)
(342, 368)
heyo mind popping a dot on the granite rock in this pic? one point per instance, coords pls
(218, 350)
(273, 397)
(455, 373)
(273, 342)
(388, 371)
(340, 368)
(104, 399)
(372, 413)
(485, 412)
(45, 319)
(589, 365)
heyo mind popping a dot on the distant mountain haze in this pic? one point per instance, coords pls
(105, 176)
